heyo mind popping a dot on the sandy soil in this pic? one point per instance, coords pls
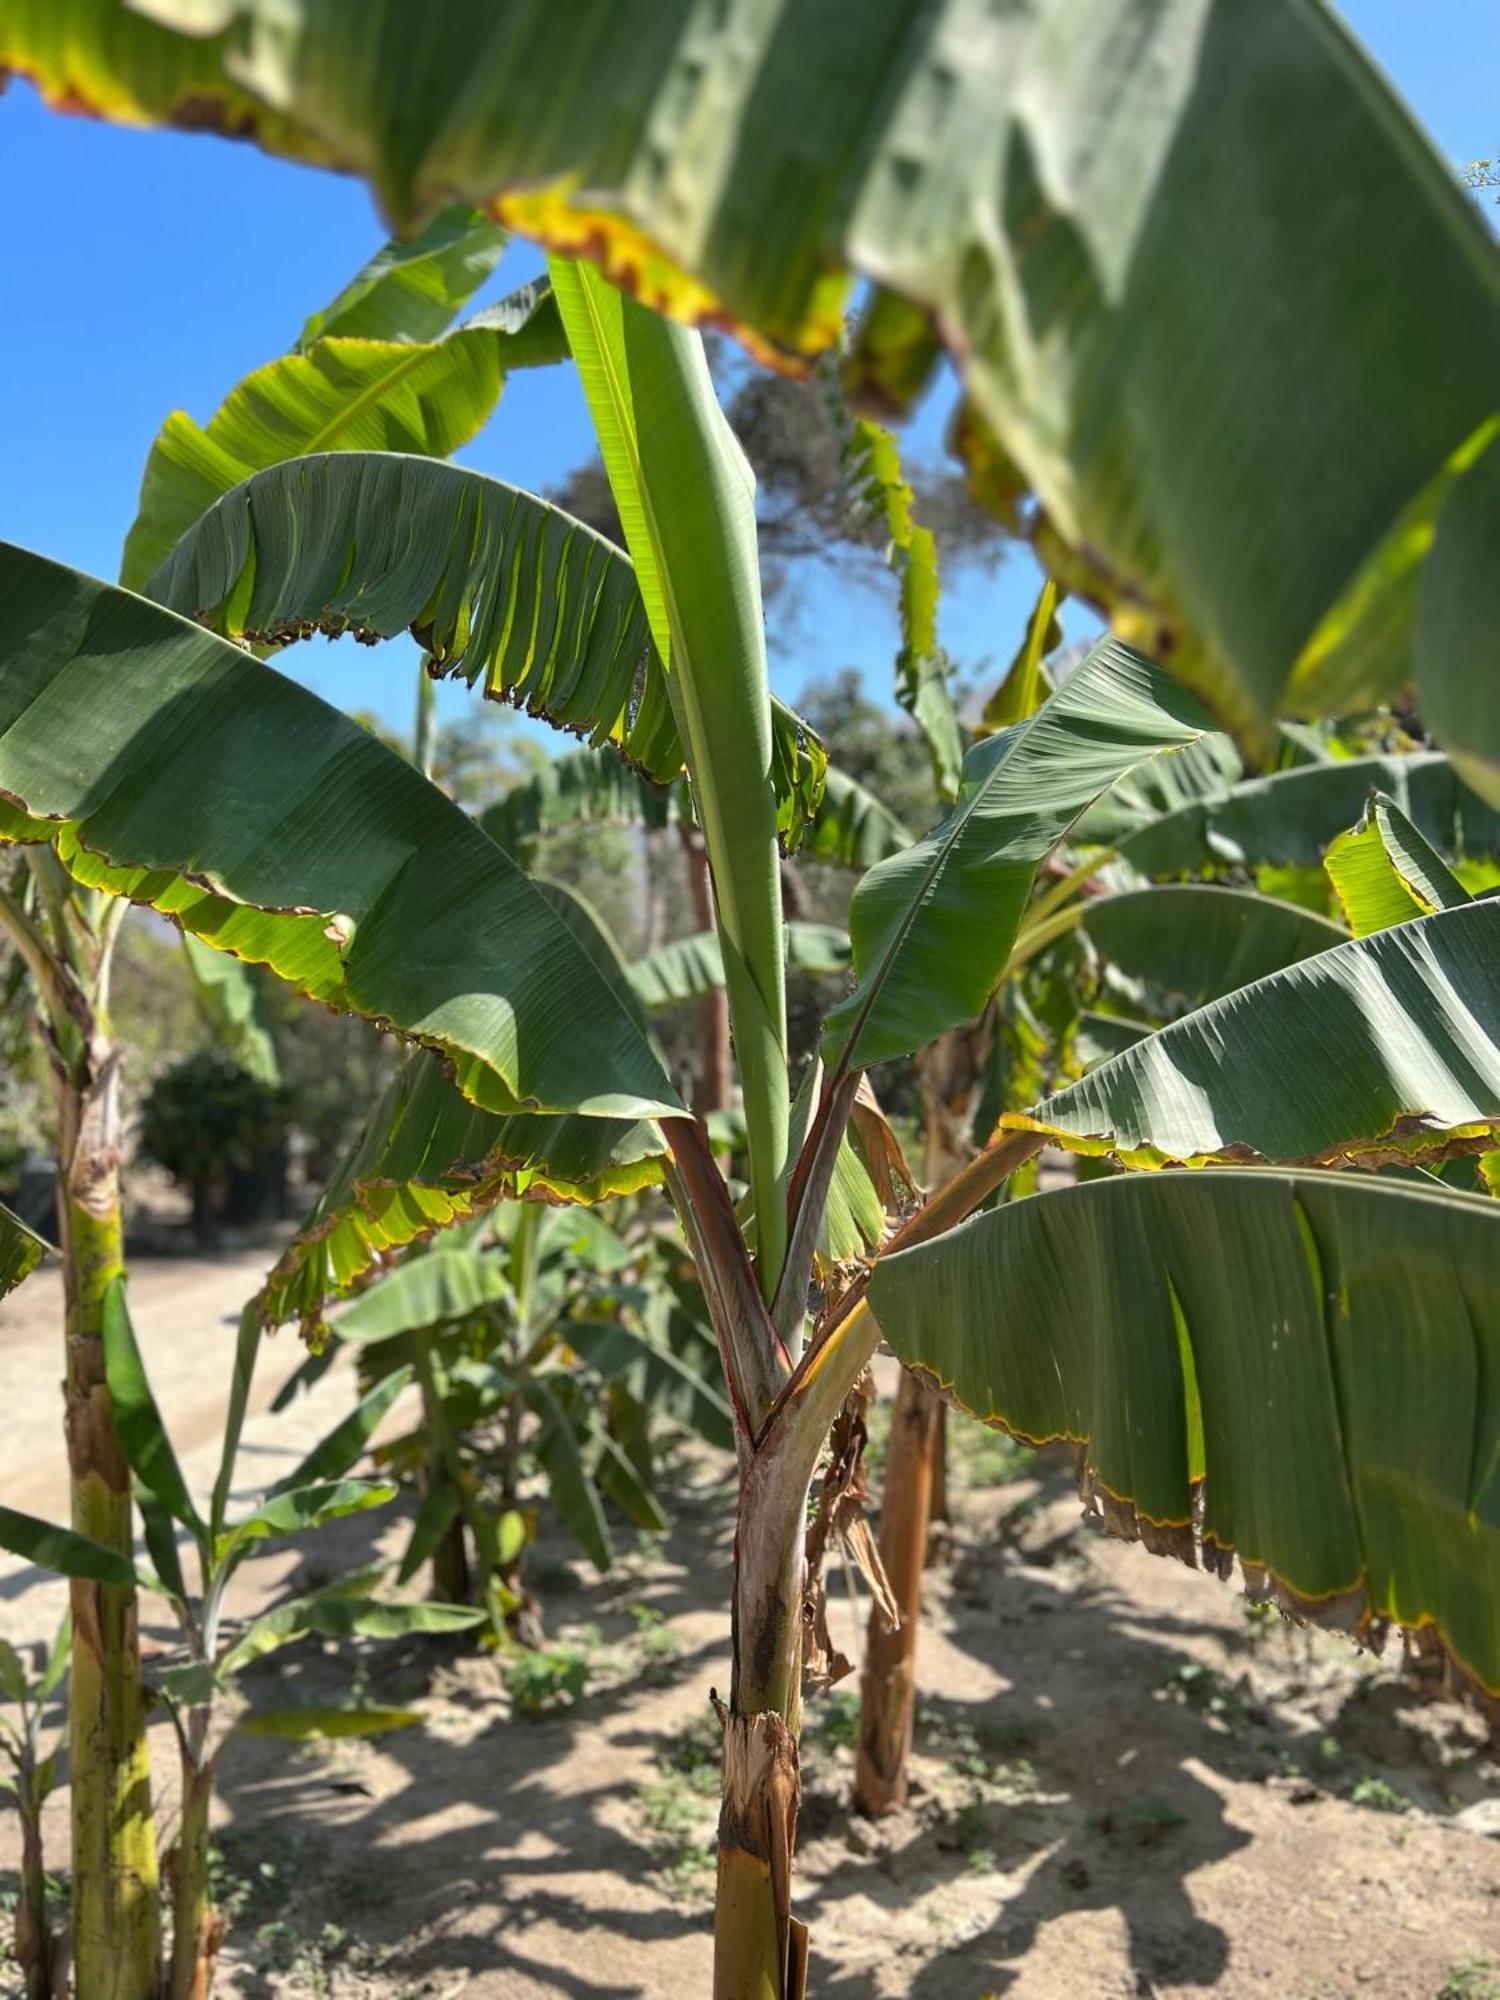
(1125, 1785)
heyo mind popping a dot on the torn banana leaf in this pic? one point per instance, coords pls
(1298, 1369)
(1103, 206)
(503, 590)
(427, 1157)
(1385, 1049)
(166, 766)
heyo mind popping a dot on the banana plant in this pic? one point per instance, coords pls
(198, 1691)
(1276, 1366)
(35, 1771)
(377, 366)
(543, 1343)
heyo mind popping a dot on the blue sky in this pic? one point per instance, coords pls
(148, 271)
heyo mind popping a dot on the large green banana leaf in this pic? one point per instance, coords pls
(427, 1157)
(689, 967)
(685, 495)
(414, 388)
(1385, 1048)
(21, 1250)
(932, 928)
(1291, 817)
(167, 766)
(1195, 942)
(1298, 1369)
(1203, 771)
(501, 588)
(1047, 182)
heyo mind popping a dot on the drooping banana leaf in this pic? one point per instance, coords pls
(1196, 942)
(685, 495)
(1297, 1369)
(412, 387)
(850, 827)
(1386, 1048)
(503, 590)
(1203, 771)
(232, 997)
(166, 766)
(1383, 872)
(689, 967)
(427, 1157)
(424, 1291)
(1291, 817)
(1043, 182)
(581, 786)
(932, 928)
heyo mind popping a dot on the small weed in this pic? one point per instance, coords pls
(678, 1809)
(1377, 1796)
(657, 1646)
(835, 1721)
(981, 1457)
(1475, 1979)
(1194, 1685)
(544, 1682)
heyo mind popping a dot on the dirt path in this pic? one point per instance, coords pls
(1126, 1786)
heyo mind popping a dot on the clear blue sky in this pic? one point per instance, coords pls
(147, 271)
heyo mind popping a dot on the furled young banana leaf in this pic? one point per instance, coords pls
(503, 590)
(1383, 872)
(1386, 1048)
(1044, 182)
(685, 495)
(689, 967)
(1291, 817)
(1296, 1368)
(167, 766)
(932, 928)
(1194, 942)
(411, 386)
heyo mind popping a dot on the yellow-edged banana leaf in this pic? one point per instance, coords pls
(1299, 1369)
(167, 766)
(1290, 818)
(1195, 942)
(427, 1157)
(1383, 872)
(1386, 1048)
(932, 928)
(504, 590)
(414, 388)
(689, 967)
(21, 1250)
(685, 495)
(1046, 182)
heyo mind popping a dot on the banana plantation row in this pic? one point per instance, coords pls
(1210, 910)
